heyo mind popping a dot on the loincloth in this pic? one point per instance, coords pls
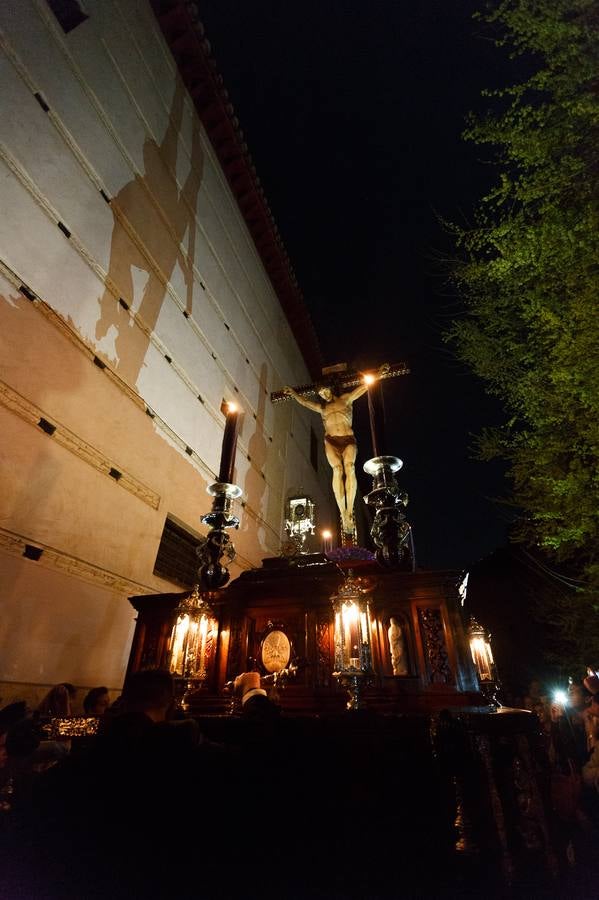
(340, 441)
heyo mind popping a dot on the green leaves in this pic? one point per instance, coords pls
(528, 273)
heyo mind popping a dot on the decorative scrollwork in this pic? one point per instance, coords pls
(435, 647)
(323, 649)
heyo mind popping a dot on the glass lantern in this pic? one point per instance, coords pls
(353, 657)
(300, 516)
(482, 657)
(190, 641)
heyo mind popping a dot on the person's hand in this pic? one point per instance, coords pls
(287, 391)
(245, 682)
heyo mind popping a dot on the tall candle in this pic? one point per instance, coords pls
(201, 664)
(371, 416)
(376, 414)
(227, 458)
(352, 644)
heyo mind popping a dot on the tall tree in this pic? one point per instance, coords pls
(528, 274)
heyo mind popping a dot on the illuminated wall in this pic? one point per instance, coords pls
(132, 302)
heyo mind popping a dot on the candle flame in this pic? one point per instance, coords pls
(369, 379)
(231, 407)
(327, 534)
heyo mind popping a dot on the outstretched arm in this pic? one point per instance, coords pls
(357, 392)
(309, 404)
(362, 388)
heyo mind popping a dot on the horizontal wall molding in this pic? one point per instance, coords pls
(75, 338)
(16, 544)
(19, 403)
(62, 435)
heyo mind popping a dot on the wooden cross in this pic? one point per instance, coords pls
(341, 379)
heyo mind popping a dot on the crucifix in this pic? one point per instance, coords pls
(336, 393)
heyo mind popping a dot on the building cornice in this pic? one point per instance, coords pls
(184, 33)
(52, 558)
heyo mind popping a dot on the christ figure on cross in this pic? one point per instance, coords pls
(339, 442)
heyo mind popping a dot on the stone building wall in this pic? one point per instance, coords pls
(132, 303)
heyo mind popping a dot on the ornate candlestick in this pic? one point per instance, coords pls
(390, 530)
(353, 658)
(217, 545)
(376, 414)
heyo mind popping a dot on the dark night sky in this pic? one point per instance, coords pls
(353, 114)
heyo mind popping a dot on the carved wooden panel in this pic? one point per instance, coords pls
(237, 661)
(435, 646)
(324, 658)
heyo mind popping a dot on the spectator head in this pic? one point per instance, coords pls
(96, 701)
(150, 692)
(591, 682)
(57, 701)
(540, 710)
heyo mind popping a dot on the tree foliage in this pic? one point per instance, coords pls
(528, 273)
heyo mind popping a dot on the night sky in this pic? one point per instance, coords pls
(353, 114)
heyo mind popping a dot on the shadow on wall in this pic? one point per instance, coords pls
(134, 204)
(49, 625)
(38, 613)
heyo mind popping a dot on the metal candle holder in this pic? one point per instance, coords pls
(217, 546)
(391, 532)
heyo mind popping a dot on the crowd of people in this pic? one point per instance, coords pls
(26, 746)
(569, 723)
(143, 807)
(149, 806)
